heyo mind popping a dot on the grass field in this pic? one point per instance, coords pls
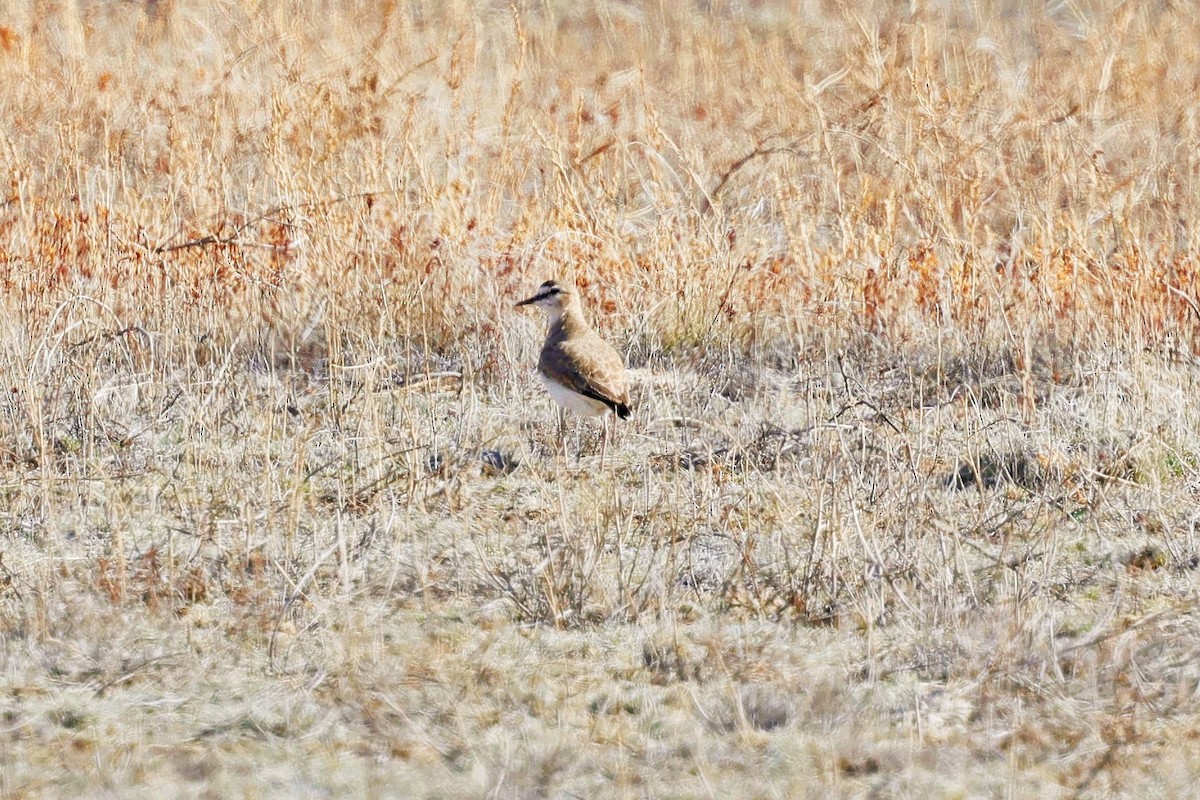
(908, 503)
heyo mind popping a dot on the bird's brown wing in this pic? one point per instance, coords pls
(599, 372)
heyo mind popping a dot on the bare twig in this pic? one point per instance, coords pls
(761, 151)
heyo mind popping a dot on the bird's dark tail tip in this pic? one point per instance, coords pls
(622, 410)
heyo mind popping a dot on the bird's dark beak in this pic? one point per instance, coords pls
(526, 301)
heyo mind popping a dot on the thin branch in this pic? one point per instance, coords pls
(1187, 299)
(231, 238)
(760, 151)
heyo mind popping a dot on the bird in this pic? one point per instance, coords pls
(581, 371)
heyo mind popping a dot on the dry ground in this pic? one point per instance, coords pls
(907, 506)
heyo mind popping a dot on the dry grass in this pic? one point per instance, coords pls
(908, 503)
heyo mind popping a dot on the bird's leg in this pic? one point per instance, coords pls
(603, 440)
(562, 434)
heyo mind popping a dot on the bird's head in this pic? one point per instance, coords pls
(551, 297)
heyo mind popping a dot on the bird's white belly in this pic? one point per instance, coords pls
(573, 401)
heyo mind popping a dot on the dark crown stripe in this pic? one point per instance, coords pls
(548, 289)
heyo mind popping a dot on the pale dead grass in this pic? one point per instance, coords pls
(907, 505)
